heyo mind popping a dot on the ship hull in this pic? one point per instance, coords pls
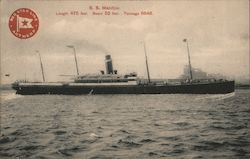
(198, 88)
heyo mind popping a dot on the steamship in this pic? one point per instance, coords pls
(110, 82)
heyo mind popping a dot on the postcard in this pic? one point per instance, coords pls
(124, 79)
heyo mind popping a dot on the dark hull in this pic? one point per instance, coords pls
(198, 88)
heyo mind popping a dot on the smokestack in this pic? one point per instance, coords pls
(109, 65)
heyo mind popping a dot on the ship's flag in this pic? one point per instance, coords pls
(184, 40)
(23, 23)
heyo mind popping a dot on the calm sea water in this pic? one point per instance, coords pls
(125, 126)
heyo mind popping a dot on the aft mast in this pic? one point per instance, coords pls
(146, 58)
(189, 62)
(41, 64)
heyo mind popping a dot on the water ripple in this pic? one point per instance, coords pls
(125, 126)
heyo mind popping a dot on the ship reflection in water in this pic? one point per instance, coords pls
(113, 83)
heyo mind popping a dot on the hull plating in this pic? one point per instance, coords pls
(199, 88)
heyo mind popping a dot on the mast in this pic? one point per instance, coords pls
(189, 61)
(41, 64)
(71, 46)
(146, 58)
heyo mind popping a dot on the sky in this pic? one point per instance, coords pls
(217, 33)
